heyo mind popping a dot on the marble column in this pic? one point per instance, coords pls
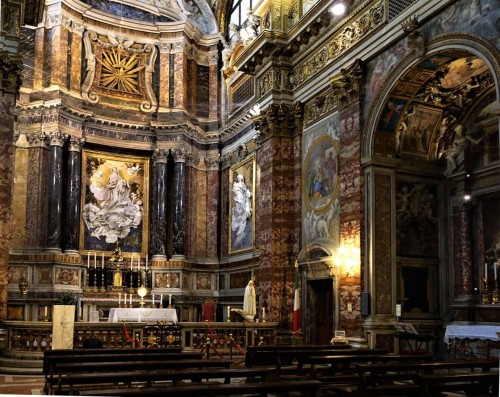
(73, 191)
(160, 158)
(178, 246)
(57, 139)
(164, 94)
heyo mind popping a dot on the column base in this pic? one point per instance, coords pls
(54, 251)
(72, 252)
(177, 258)
(161, 258)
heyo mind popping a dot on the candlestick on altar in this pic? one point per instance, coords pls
(153, 300)
(119, 299)
(229, 314)
(263, 314)
(102, 261)
(139, 263)
(146, 263)
(131, 262)
(161, 300)
(486, 271)
(95, 259)
(130, 300)
(103, 282)
(88, 260)
(169, 300)
(87, 281)
(495, 273)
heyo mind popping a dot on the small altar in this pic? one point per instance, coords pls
(474, 341)
(142, 314)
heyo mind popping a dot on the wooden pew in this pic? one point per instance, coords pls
(306, 387)
(375, 378)
(472, 384)
(88, 381)
(58, 357)
(265, 354)
(346, 362)
(278, 356)
(63, 369)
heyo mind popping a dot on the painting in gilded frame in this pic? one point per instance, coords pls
(114, 203)
(242, 206)
(321, 180)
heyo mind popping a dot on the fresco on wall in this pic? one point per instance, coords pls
(390, 114)
(114, 203)
(321, 181)
(480, 17)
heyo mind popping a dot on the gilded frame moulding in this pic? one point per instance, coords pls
(320, 178)
(242, 206)
(340, 43)
(119, 68)
(115, 196)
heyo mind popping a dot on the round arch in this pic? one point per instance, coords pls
(459, 41)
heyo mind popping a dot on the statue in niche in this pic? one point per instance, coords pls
(458, 147)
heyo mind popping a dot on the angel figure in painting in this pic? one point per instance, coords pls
(249, 303)
(241, 211)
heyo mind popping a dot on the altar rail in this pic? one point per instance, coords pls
(28, 340)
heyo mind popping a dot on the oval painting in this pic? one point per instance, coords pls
(320, 178)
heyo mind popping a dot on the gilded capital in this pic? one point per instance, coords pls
(347, 84)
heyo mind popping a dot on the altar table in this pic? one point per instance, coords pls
(473, 340)
(142, 314)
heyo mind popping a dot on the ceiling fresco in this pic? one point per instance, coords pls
(429, 101)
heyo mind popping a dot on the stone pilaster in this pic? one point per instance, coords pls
(346, 87)
(159, 211)
(213, 83)
(179, 221)
(180, 79)
(38, 192)
(276, 211)
(195, 204)
(212, 208)
(9, 85)
(73, 192)
(59, 45)
(164, 75)
(463, 257)
(57, 139)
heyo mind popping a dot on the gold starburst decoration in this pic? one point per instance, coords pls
(120, 71)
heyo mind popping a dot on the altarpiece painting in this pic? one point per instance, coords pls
(242, 206)
(114, 203)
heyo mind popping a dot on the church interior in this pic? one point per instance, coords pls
(158, 155)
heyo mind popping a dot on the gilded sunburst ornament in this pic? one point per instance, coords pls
(120, 71)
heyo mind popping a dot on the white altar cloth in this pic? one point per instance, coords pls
(483, 332)
(141, 314)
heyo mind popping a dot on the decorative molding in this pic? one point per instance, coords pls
(38, 140)
(76, 144)
(160, 156)
(346, 85)
(57, 138)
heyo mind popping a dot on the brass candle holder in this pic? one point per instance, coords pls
(87, 283)
(485, 296)
(95, 282)
(103, 284)
(495, 296)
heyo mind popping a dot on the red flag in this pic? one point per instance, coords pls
(296, 305)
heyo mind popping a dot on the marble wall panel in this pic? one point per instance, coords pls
(164, 79)
(20, 193)
(383, 248)
(213, 91)
(66, 276)
(59, 55)
(39, 58)
(204, 281)
(76, 61)
(180, 81)
(44, 275)
(201, 219)
(225, 212)
(6, 169)
(212, 211)
(191, 211)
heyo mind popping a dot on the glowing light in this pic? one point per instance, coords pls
(338, 8)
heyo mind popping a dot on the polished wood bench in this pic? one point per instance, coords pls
(158, 363)
(74, 383)
(306, 387)
(53, 357)
(474, 383)
(266, 354)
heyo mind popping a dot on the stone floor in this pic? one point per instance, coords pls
(21, 385)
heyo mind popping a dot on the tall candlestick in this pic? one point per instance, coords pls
(169, 299)
(130, 299)
(119, 298)
(486, 271)
(125, 300)
(263, 313)
(146, 263)
(153, 299)
(95, 259)
(161, 300)
(131, 262)
(228, 312)
(139, 263)
(495, 272)
(88, 260)
(102, 261)
(46, 311)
